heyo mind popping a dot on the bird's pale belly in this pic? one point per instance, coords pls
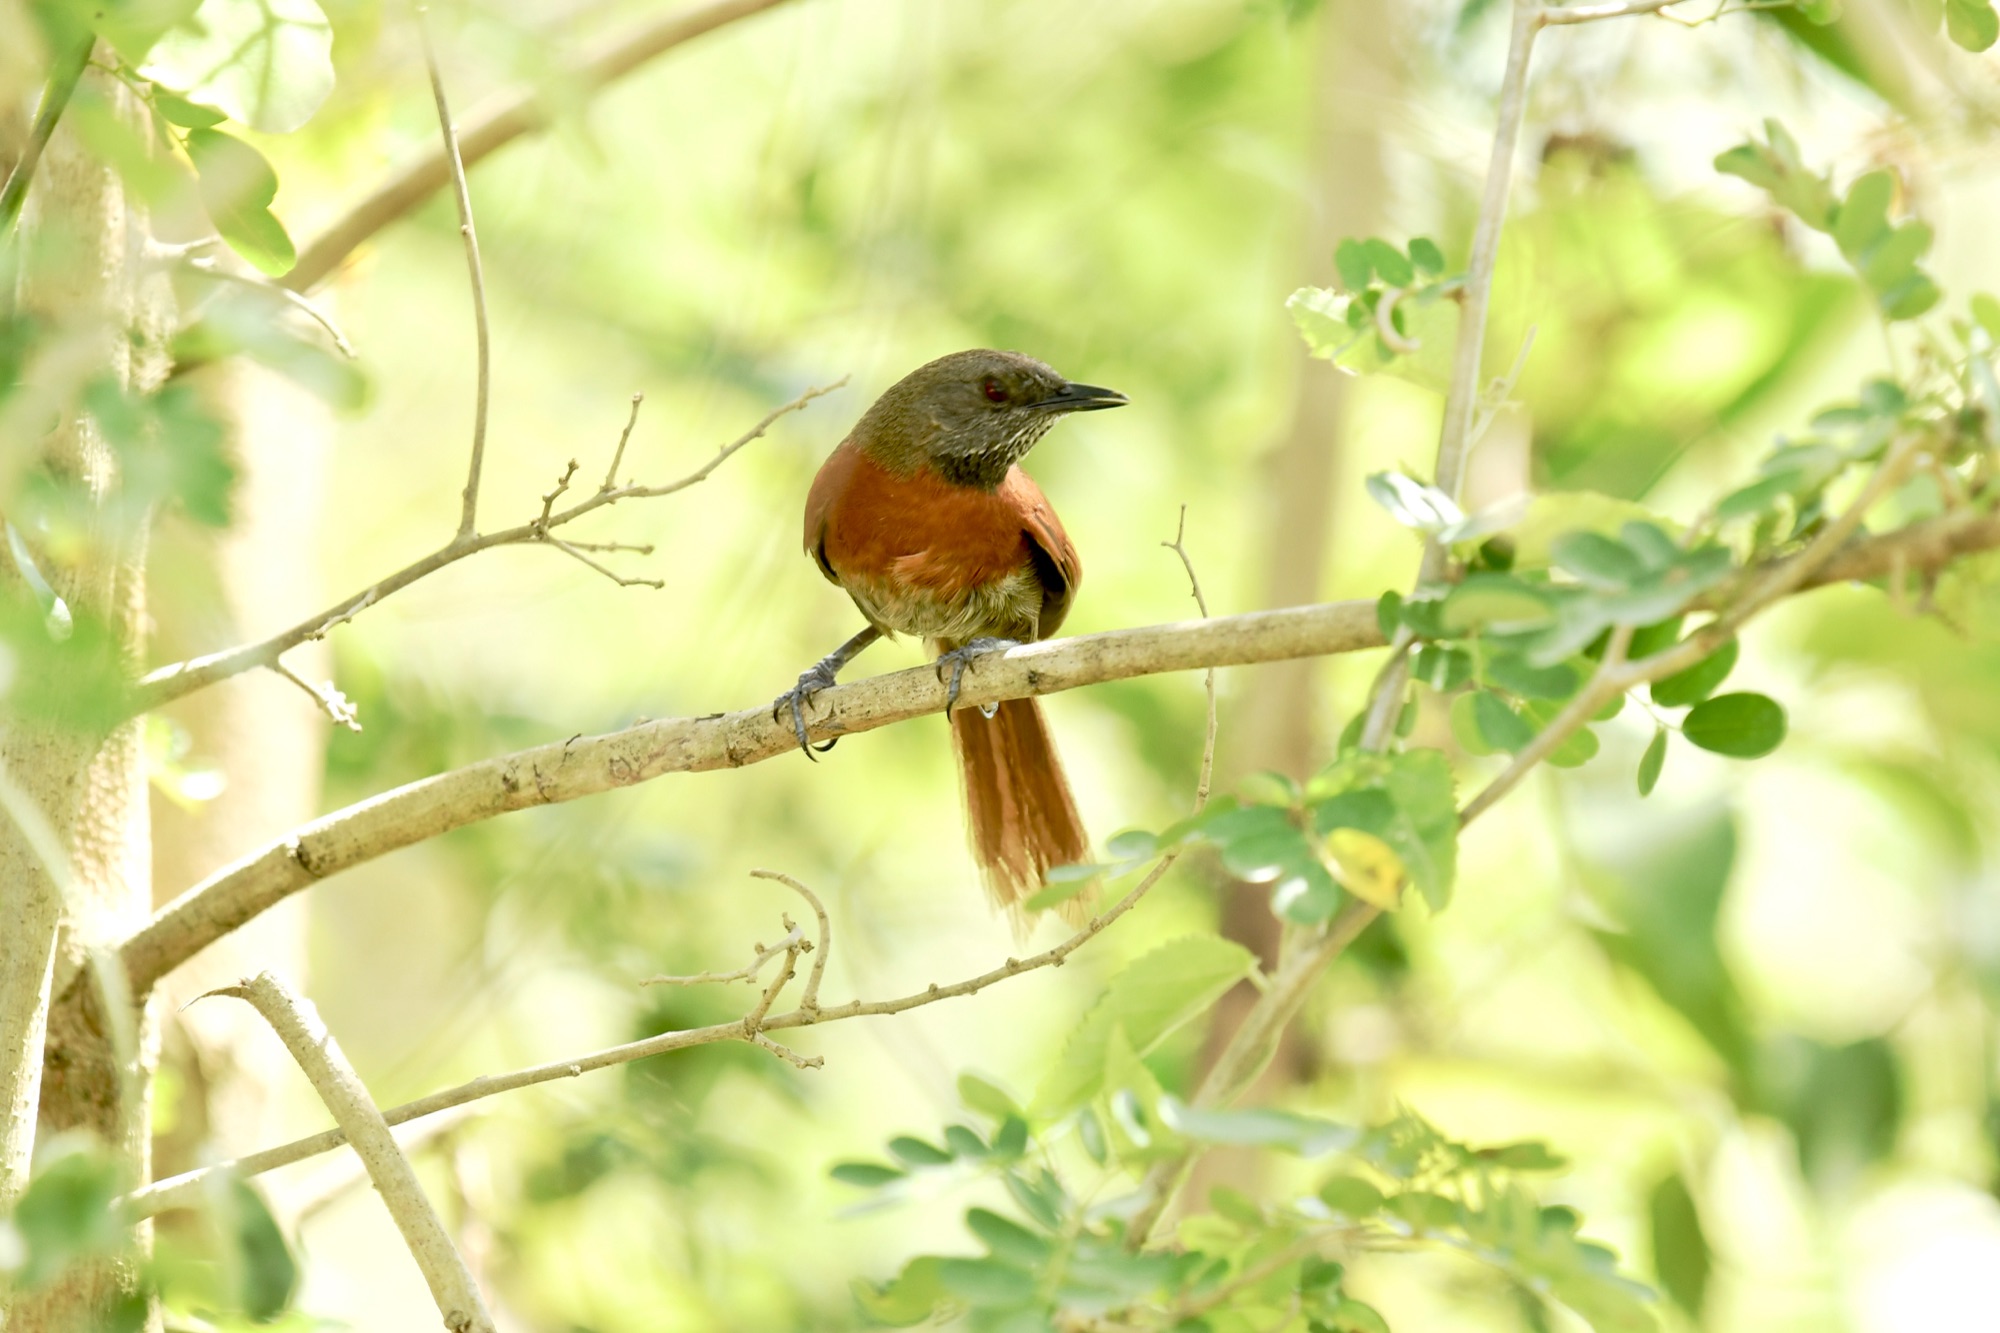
(1009, 607)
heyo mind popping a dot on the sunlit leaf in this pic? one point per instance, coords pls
(267, 63)
(1305, 1135)
(1149, 998)
(237, 186)
(1367, 867)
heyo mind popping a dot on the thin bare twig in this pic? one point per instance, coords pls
(1201, 603)
(331, 701)
(185, 1190)
(618, 454)
(208, 268)
(469, 512)
(167, 683)
(748, 972)
(809, 1000)
(621, 580)
(298, 1025)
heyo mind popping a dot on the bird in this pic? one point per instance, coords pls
(923, 516)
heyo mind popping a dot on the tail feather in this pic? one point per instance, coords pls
(1019, 812)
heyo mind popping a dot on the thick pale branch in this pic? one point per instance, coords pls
(499, 122)
(298, 1025)
(565, 771)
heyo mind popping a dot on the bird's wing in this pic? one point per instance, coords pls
(1056, 561)
(829, 484)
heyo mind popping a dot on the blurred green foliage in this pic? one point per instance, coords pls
(863, 186)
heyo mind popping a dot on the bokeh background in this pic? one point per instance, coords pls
(1755, 1010)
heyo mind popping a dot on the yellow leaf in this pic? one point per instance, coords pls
(1366, 867)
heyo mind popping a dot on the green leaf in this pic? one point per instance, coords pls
(1759, 496)
(1090, 1132)
(269, 1272)
(1557, 513)
(1350, 1196)
(909, 1298)
(1499, 725)
(1742, 726)
(962, 1142)
(1320, 316)
(914, 1151)
(987, 1098)
(1413, 504)
(1598, 561)
(177, 110)
(1354, 263)
(1971, 23)
(1352, 1316)
(1522, 678)
(1011, 1139)
(1301, 1134)
(1986, 311)
(1443, 669)
(1651, 762)
(1008, 1240)
(1389, 263)
(1691, 686)
(267, 63)
(1425, 833)
(1267, 856)
(1464, 718)
(66, 1214)
(1064, 883)
(1389, 613)
(1149, 998)
(1526, 1156)
(1680, 1248)
(1863, 218)
(1775, 166)
(1911, 297)
(170, 449)
(1306, 895)
(237, 186)
(987, 1281)
(1893, 260)
(866, 1175)
(1499, 602)
(1425, 254)
(1132, 845)
(133, 26)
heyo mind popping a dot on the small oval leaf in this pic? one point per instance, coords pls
(1741, 726)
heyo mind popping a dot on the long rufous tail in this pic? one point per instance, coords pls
(1019, 812)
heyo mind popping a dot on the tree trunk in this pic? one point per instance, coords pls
(86, 278)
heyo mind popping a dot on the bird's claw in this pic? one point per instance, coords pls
(959, 658)
(795, 700)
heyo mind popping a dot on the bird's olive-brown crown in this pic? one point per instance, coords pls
(972, 415)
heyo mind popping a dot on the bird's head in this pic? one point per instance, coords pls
(972, 415)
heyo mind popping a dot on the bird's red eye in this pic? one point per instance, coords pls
(995, 391)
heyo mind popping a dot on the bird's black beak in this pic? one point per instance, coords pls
(1082, 398)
